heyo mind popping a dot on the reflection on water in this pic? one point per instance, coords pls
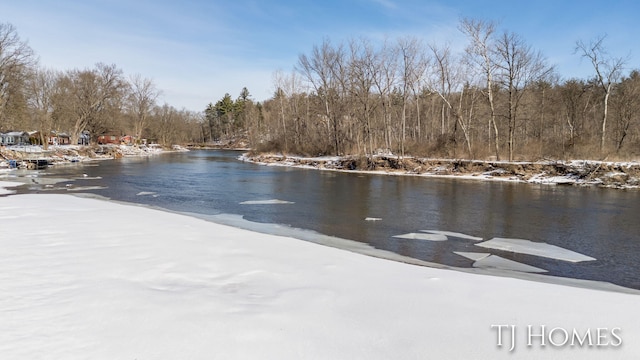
(600, 223)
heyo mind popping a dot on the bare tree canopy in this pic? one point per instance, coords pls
(608, 70)
(16, 57)
(141, 99)
(91, 96)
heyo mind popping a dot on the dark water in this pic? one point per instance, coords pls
(601, 223)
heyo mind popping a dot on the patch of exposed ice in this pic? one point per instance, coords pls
(488, 261)
(372, 219)
(35, 179)
(265, 202)
(535, 248)
(496, 262)
(86, 188)
(8, 184)
(4, 191)
(472, 255)
(422, 236)
(454, 234)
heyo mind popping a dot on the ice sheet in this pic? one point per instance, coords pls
(535, 248)
(4, 191)
(454, 234)
(496, 262)
(265, 202)
(8, 184)
(37, 180)
(488, 261)
(472, 255)
(422, 236)
(86, 188)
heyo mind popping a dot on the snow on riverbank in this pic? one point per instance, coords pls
(85, 278)
(619, 175)
(75, 153)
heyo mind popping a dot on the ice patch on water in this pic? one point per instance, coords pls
(454, 234)
(86, 188)
(488, 261)
(35, 180)
(4, 191)
(8, 184)
(472, 255)
(535, 248)
(265, 202)
(143, 193)
(496, 262)
(422, 236)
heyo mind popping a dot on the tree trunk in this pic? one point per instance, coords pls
(604, 118)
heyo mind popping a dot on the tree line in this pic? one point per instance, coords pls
(499, 98)
(99, 100)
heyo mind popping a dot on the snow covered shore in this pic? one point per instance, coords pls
(76, 153)
(85, 278)
(618, 175)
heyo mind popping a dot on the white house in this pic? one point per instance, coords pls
(15, 138)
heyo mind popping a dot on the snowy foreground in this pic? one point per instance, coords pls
(84, 278)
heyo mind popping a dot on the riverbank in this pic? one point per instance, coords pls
(164, 286)
(618, 175)
(22, 156)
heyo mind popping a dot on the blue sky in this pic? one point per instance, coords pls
(196, 50)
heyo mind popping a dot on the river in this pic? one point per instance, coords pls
(601, 223)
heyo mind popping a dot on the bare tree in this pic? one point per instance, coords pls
(89, 94)
(166, 123)
(363, 58)
(16, 57)
(574, 97)
(281, 97)
(322, 71)
(627, 107)
(141, 99)
(411, 51)
(288, 88)
(385, 79)
(518, 67)
(479, 52)
(447, 80)
(608, 71)
(42, 87)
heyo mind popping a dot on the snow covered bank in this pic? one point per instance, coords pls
(84, 278)
(59, 154)
(619, 175)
